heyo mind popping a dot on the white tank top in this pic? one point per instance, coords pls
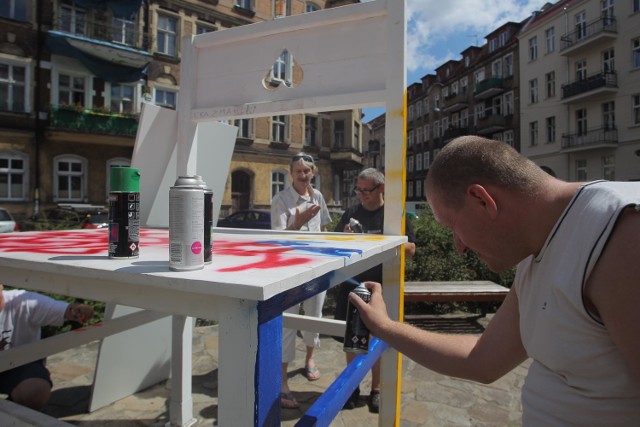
(578, 376)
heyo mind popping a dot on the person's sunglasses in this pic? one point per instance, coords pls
(304, 157)
(365, 191)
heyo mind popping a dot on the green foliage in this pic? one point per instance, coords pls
(436, 257)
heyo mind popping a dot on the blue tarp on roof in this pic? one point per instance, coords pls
(108, 70)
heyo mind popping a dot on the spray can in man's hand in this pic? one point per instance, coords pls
(355, 225)
(356, 335)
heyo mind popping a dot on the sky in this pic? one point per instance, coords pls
(438, 30)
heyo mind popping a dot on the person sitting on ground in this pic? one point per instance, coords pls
(22, 314)
(572, 307)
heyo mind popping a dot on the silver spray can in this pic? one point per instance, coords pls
(208, 221)
(186, 224)
(355, 225)
(356, 335)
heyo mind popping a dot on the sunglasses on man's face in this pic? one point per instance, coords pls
(304, 157)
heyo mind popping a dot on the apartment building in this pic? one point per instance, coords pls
(476, 95)
(580, 80)
(76, 73)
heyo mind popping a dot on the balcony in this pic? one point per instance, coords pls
(454, 132)
(603, 137)
(591, 86)
(589, 36)
(456, 102)
(488, 88)
(492, 123)
(88, 121)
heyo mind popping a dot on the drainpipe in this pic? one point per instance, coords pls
(37, 104)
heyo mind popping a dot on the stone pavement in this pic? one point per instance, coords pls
(428, 399)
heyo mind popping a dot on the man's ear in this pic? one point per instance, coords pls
(481, 196)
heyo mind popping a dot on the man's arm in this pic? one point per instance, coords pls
(482, 358)
(613, 288)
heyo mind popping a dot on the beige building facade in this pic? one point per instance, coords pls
(76, 73)
(580, 80)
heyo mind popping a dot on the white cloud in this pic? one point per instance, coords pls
(438, 30)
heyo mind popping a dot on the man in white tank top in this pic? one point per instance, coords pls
(572, 308)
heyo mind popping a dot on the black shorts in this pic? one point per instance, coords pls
(11, 378)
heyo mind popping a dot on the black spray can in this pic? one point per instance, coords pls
(356, 335)
(208, 221)
(124, 212)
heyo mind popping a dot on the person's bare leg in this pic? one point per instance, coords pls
(286, 398)
(311, 371)
(33, 393)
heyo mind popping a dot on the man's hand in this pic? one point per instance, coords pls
(80, 313)
(303, 217)
(374, 314)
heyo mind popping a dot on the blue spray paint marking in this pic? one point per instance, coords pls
(327, 406)
(276, 305)
(268, 362)
(307, 247)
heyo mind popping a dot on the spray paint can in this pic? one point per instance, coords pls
(186, 224)
(356, 335)
(124, 212)
(355, 225)
(208, 221)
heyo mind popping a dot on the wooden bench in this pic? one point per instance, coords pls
(476, 291)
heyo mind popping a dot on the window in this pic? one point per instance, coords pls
(167, 34)
(464, 84)
(338, 134)
(549, 36)
(280, 8)
(581, 25)
(533, 91)
(69, 179)
(410, 138)
(502, 38)
(419, 109)
(508, 137)
(479, 76)
(166, 98)
(282, 70)
(123, 31)
(609, 168)
(464, 118)
(410, 112)
(609, 115)
(244, 128)
(581, 121)
(478, 113)
(607, 10)
(14, 9)
(425, 133)
(496, 68)
(496, 106)
(278, 128)
(203, 28)
(278, 181)
(419, 189)
(410, 164)
(73, 19)
(426, 105)
(581, 170)
(311, 7)
(635, 52)
(533, 133)
(410, 189)
(636, 5)
(122, 98)
(551, 129)
(436, 129)
(493, 44)
(244, 4)
(635, 109)
(581, 70)
(608, 60)
(550, 84)
(533, 48)
(508, 65)
(71, 90)
(426, 160)
(13, 176)
(356, 135)
(419, 161)
(13, 87)
(436, 103)
(310, 130)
